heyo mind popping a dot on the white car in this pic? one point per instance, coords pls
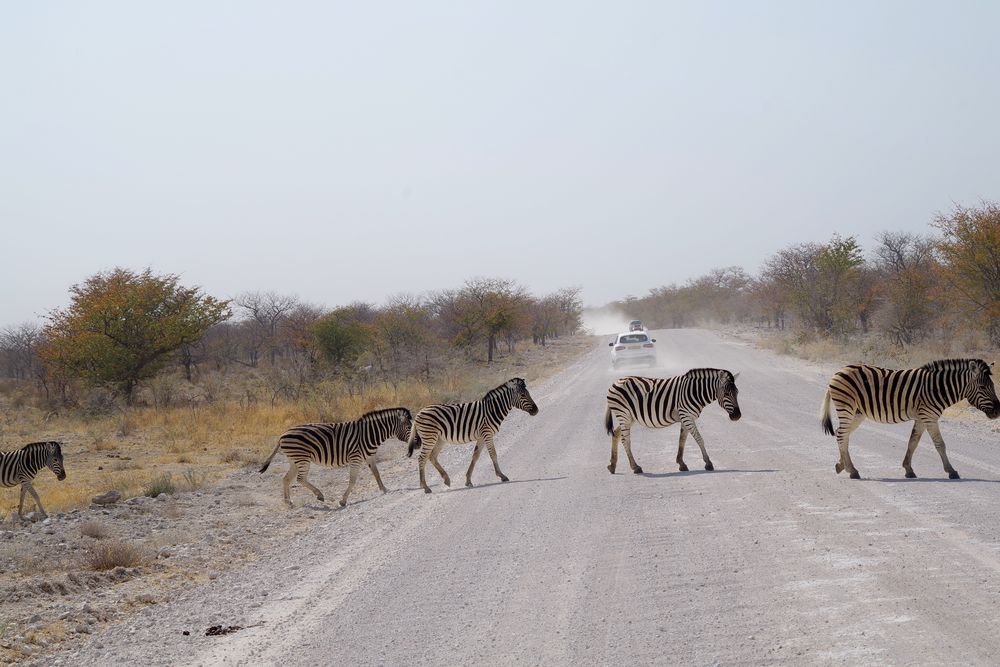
(633, 347)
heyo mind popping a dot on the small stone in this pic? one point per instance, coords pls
(212, 574)
(162, 497)
(83, 629)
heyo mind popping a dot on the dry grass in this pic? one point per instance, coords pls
(197, 443)
(94, 529)
(109, 554)
(869, 349)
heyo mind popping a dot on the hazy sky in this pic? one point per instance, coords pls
(352, 150)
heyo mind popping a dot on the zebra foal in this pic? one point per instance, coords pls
(459, 423)
(892, 396)
(352, 443)
(21, 465)
(661, 402)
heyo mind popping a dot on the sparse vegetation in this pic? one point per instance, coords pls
(160, 484)
(94, 529)
(109, 554)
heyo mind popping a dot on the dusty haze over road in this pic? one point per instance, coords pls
(770, 559)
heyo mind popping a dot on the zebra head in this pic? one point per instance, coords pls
(404, 424)
(522, 399)
(54, 459)
(980, 391)
(727, 395)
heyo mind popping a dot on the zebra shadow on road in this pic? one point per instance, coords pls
(916, 480)
(690, 473)
(485, 485)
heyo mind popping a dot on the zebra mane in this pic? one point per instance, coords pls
(32, 446)
(954, 365)
(702, 372)
(375, 414)
(502, 387)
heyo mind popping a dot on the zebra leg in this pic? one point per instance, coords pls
(491, 448)
(472, 464)
(627, 443)
(687, 422)
(440, 468)
(38, 501)
(680, 450)
(378, 478)
(615, 437)
(918, 430)
(287, 482)
(20, 505)
(847, 424)
(350, 483)
(426, 448)
(304, 481)
(932, 428)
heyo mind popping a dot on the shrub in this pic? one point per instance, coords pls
(109, 554)
(162, 484)
(94, 529)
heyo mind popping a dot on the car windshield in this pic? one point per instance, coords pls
(633, 338)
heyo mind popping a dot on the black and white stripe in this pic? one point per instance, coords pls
(459, 423)
(352, 443)
(21, 466)
(660, 402)
(919, 395)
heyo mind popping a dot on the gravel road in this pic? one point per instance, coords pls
(771, 558)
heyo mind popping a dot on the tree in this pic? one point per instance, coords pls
(909, 275)
(122, 327)
(483, 310)
(970, 252)
(340, 338)
(265, 312)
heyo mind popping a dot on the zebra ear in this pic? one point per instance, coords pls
(735, 376)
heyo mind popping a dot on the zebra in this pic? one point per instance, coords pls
(892, 396)
(352, 443)
(660, 402)
(459, 423)
(21, 465)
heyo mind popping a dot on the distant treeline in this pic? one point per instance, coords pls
(907, 286)
(123, 329)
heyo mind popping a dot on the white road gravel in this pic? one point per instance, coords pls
(770, 559)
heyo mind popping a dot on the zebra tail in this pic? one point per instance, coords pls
(609, 424)
(268, 461)
(414, 443)
(824, 416)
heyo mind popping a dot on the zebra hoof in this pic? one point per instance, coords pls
(426, 490)
(319, 497)
(343, 503)
(910, 474)
(637, 470)
(838, 467)
(503, 478)
(709, 466)
(468, 483)
(683, 467)
(447, 482)
(855, 475)
(611, 469)
(953, 475)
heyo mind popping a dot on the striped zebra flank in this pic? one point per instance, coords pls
(459, 423)
(919, 395)
(661, 402)
(20, 467)
(352, 443)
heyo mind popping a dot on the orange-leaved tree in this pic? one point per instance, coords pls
(121, 327)
(970, 253)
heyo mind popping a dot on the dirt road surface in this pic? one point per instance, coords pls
(770, 559)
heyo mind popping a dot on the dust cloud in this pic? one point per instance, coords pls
(605, 321)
